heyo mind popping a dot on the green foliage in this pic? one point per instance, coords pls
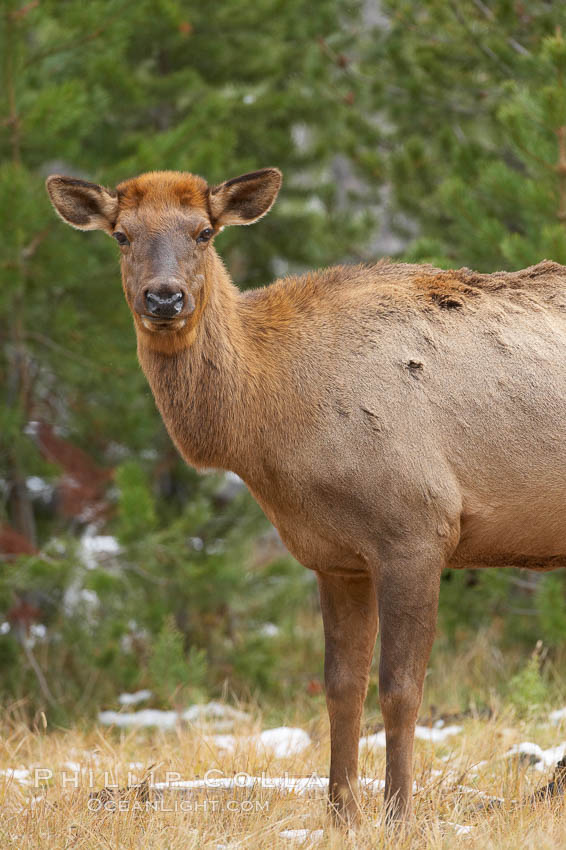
(527, 689)
(136, 516)
(178, 677)
(475, 163)
(461, 108)
(104, 93)
(550, 602)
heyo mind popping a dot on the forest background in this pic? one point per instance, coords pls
(426, 131)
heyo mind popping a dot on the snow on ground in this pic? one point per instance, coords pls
(138, 719)
(458, 828)
(558, 715)
(302, 835)
(544, 758)
(436, 735)
(425, 733)
(133, 699)
(216, 713)
(283, 741)
(19, 774)
(94, 548)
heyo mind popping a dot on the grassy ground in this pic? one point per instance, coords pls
(59, 815)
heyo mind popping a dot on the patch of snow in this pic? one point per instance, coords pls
(302, 835)
(90, 597)
(216, 713)
(557, 716)
(38, 487)
(223, 742)
(4, 627)
(269, 629)
(76, 595)
(94, 548)
(32, 428)
(373, 741)
(38, 630)
(139, 719)
(544, 758)
(527, 748)
(19, 774)
(282, 741)
(458, 828)
(285, 741)
(424, 733)
(133, 699)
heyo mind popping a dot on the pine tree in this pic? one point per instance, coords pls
(476, 104)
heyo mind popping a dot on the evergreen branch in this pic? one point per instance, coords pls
(512, 42)
(72, 45)
(487, 51)
(135, 568)
(49, 343)
(543, 163)
(341, 61)
(455, 107)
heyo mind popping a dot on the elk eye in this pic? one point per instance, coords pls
(121, 238)
(205, 234)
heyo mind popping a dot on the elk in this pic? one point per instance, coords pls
(390, 419)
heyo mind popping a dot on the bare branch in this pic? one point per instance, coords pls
(38, 672)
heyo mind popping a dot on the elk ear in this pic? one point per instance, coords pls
(244, 199)
(84, 205)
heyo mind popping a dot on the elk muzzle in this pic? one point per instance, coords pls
(163, 307)
(164, 304)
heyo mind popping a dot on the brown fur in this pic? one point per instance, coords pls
(390, 419)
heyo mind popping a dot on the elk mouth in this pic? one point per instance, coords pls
(159, 324)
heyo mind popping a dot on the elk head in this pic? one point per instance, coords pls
(165, 223)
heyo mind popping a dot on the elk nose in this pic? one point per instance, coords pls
(164, 305)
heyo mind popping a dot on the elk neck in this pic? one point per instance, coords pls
(233, 396)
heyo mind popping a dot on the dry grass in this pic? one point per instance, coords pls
(58, 815)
